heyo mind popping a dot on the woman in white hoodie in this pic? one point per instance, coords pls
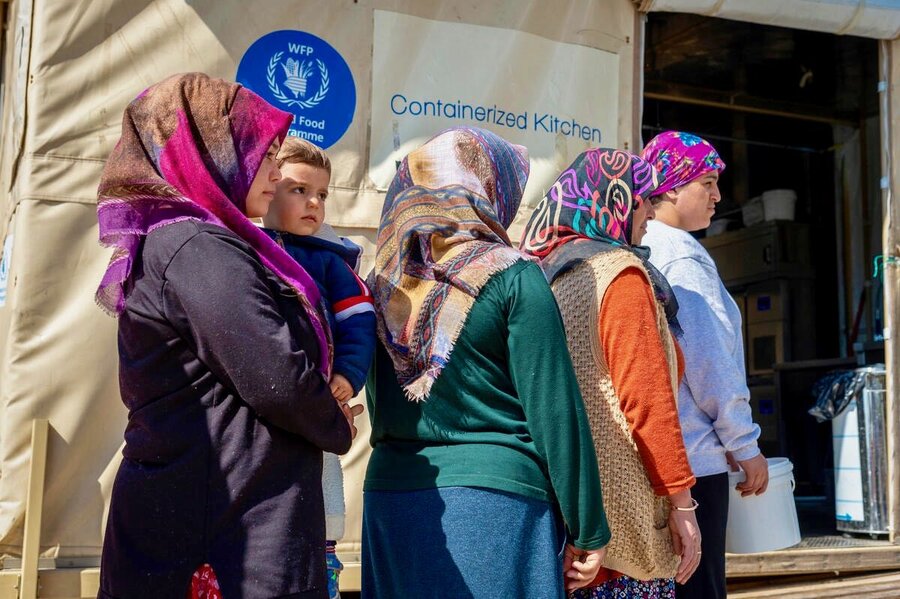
(713, 400)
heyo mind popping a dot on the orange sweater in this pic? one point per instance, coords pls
(637, 366)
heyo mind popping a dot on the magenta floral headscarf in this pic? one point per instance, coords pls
(590, 209)
(680, 158)
(190, 149)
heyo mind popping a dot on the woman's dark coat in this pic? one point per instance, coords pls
(228, 418)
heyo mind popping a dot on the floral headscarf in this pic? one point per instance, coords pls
(680, 158)
(442, 236)
(590, 209)
(190, 149)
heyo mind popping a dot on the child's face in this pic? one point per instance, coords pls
(299, 204)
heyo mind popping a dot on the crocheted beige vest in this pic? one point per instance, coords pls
(641, 545)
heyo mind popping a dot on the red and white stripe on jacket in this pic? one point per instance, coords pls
(355, 304)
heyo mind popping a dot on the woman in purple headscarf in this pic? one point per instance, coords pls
(223, 357)
(713, 399)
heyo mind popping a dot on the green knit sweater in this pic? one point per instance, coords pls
(505, 413)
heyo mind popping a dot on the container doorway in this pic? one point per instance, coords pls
(795, 116)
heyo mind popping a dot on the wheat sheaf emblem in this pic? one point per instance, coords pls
(297, 74)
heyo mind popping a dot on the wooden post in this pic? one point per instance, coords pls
(637, 82)
(889, 71)
(34, 503)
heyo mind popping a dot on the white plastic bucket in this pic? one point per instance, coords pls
(763, 522)
(779, 204)
(752, 212)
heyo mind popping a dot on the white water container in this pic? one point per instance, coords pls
(752, 211)
(779, 204)
(764, 522)
(859, 436)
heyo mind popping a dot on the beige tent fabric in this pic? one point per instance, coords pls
(69, 70)
(17, 47)
(59, 364)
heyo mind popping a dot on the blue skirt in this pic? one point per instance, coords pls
(459, 543)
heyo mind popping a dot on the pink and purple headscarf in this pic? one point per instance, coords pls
(680, 158)
(190, 148)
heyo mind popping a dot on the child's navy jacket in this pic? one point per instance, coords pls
(330, 261)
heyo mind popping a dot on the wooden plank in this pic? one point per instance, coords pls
(637, 82)
(775, 563)
(90, 582)
(874, 586)
(889, 60)
(34, 502)
(62, 583)
(9, 585)
(56, 583)
(351, 577)
(767, 582)
(702, 96)
(803, 561)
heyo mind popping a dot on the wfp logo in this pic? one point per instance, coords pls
(297, 75)
(304, 75)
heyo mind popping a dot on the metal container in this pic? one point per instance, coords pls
(860, 459)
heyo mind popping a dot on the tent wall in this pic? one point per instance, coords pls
(70, 69)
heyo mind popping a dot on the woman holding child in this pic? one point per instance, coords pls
(224, 357)
(480, 438)
(619, 313)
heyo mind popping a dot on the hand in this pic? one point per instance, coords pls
(685, 536)
(351, 412)
(341, 388)
(732, 463)
(580, 566)
(757, 470)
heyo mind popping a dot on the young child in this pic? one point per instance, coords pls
(296, 222)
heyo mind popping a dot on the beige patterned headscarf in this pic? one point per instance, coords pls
(442, 236)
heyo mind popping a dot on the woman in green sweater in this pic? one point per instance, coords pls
(483, 466)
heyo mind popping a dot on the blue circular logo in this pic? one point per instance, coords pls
(302, 74)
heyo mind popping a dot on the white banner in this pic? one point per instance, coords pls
(554, 98)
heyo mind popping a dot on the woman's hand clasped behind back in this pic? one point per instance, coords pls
(685, 535)
(580, 567)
